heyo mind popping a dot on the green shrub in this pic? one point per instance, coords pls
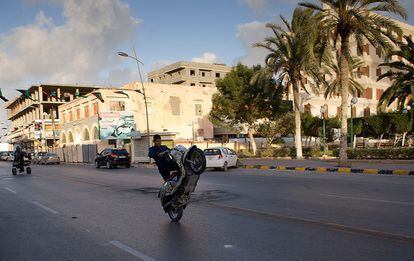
(373, 153)
(274, 152)
(245, 154)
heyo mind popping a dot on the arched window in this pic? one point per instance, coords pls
(85, 135)
(95, 133)
(70, 137)
(63, 138)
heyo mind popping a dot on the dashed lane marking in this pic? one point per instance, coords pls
(132, 251)
(45, 208)
(9, 189)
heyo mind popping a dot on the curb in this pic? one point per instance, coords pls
(339, 170)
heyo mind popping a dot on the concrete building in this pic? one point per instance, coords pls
(176, 112)
(35, 120)
(190, 74)
(367, 77)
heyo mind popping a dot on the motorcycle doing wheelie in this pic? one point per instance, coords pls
(176, 191)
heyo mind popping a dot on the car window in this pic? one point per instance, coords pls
(52, 154)
(212, 152)
(120, 152)
(226, 151)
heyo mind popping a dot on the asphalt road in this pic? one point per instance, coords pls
(77, 212)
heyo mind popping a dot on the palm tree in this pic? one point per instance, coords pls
(403, 84)
(356, 19)
(292, 56)
(332, 88)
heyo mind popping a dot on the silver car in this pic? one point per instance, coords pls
(49, 158)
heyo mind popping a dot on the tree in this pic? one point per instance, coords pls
(403, 85)
(358, 19)
(279, 126)
(295, 54)
(332, 88)
(400, 124)
(239, 102)
(311, 126)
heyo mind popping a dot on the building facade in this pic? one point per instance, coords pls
(175, 112)
(367, 76)
(190, 74)
(35, 121)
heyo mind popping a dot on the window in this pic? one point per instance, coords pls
(353, 111)
(63, 117)
(152, 80)
(95, 108)
(378, 71)
(204, 85)
(78, 115)
(339, 112)
(200, 132)
(192, 72)
(198, 110)
(217, 75)
(378, 52)
(308, 108)
(367, 112)
(379, 93)
(117, 106)
(70, 116)
(368, 93)
(192, 84)
(86, 111)
(175, 104)
(203, 74)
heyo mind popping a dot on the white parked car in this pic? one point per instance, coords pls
(221, 157)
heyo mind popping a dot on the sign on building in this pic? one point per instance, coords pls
(38, 130)
(116, 124)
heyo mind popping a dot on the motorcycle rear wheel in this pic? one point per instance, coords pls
(176, 214)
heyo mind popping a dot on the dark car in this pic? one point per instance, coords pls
(111, 158)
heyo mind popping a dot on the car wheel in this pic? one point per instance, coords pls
(96, 164)
(237, 164)
(29, 170)
(108, 165)
(225, 167)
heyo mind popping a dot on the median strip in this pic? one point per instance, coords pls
(339, 170)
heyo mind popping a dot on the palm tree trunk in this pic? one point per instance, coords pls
(403, 139)
(252, 142)
(344, 85)
(298, 134)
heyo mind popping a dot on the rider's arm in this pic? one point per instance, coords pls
(152, 153)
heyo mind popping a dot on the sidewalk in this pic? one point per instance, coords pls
(401, 167)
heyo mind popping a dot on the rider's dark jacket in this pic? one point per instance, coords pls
(163, 163)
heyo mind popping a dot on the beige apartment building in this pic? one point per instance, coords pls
(35, 119)
(190, 74)
(367, 77)
(176, 112)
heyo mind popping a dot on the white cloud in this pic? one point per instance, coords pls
(249, 34)
(75, 51)
(206, 58)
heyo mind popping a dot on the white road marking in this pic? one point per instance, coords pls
(132, 251)
(9, 189)
(45, 208)
(370, 199)
(228, 246)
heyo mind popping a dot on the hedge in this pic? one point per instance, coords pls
(373, 153)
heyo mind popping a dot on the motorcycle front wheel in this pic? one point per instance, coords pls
(197, 161)
(176, 214)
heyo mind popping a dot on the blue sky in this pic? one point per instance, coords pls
(75, 41)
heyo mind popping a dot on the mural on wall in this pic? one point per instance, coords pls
(116, 124)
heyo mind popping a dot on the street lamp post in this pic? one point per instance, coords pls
(123, 54)
(405, 111)
(323, 110)
(354, 100)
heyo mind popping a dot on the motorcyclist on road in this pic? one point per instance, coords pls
(159, 152)
(18, 158)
